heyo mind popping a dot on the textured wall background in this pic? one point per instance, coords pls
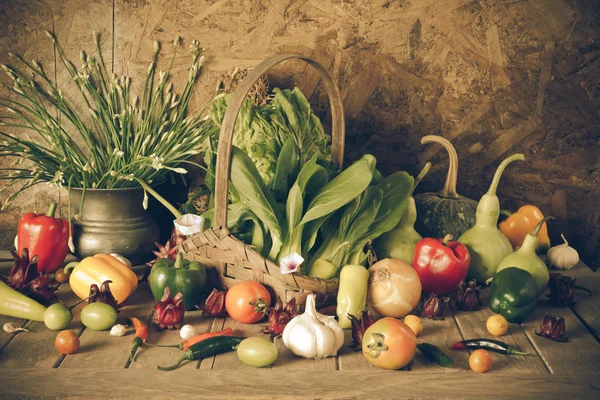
(494, 76)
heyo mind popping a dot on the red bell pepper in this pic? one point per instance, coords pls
(44, 236)
(441, 264)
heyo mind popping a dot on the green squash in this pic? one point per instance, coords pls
(444, 212)
(400, 242)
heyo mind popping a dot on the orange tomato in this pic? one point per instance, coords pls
(67, 342)
(389, 343)
(480, 361)
(247, 302)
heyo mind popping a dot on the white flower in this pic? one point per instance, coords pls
(291, 263)
(188, 224)
(145, 201)
(157, 162)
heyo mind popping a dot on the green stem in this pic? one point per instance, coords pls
(161, 199)
(500, 170)
(51, 210)
(537, 228)
(506, 213)
(70, 266)
(449, 190)
(420, 177)
(179, 261)
(174, 366)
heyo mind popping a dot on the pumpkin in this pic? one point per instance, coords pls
(400, 242)
(445, 212)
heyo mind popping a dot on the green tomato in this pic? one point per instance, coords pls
(257, 352)
(57, 317)
(98, 316)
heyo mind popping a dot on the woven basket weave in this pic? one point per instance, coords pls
(228, 259)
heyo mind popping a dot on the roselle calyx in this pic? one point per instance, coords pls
(279, 316)
(24, 277)
(169, 250)
(169, 311)
(562, 290)
(359, 326)
(467, 296)
(553, 328)
(214, 305)
(103, 294)
(434, 306)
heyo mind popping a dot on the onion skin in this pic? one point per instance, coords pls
(394, 288)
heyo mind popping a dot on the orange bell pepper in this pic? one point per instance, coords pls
(100, 268)
(519, 224)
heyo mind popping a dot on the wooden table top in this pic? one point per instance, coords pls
(30, 367)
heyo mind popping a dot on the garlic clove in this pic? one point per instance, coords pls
(187, 332)
(118, 330)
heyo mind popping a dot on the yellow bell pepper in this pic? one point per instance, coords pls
(100, 268)
(517, 225)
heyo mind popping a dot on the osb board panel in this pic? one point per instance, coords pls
(494, 77)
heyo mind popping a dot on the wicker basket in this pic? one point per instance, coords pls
(228, 259)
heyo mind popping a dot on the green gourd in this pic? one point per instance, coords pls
(400, 242)
(526, 259)
(444, 212)
(486, 244)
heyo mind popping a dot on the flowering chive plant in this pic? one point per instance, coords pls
(127, 141)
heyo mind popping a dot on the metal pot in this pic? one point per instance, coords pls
(113, 221)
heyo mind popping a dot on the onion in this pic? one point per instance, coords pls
(394, 288)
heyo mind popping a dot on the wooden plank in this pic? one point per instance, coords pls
(230, 360)
(472, 325)
(98, 348)
(578, 356)
(281, 384)
(350, 359)
(442, 333)
(587, 308)
(207, 363)
(153, 356)
(36, 348)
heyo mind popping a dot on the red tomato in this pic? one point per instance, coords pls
(67, 342)
(389, 343)
(247, 302)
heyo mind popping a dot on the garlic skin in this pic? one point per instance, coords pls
(187, 332)
(118, 330)
(563, 256)
(313, 335)
(12, 328)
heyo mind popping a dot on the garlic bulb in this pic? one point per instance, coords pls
(187, 332)
(313, 335)
(563, 256)
(118, 330)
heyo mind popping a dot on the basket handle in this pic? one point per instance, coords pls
(231, 114)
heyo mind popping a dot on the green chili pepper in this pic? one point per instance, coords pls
(487, 344)
(207, 348)
(434, 353)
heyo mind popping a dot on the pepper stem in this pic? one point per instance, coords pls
(494, 186)
(449, 190)
(176, 346)
(51, 210)
(447, 238)
(174, 366)
(179, 261)
(420, 177)
(70, 266)
(505, 213)
(158, 197)
(537, 228)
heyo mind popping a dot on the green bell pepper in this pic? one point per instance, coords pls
(180, 275)
(514, 294)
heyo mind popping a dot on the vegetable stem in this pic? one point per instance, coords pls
(449, 190)
(494, 185)
(174, 366)
(161, 199)
(420, 177)
(51, 210)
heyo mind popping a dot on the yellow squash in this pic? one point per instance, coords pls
(100, 268)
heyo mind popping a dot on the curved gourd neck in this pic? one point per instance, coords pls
(410, 214)
(531, 239)
(488, 209)
(494, 186)
(449, 190)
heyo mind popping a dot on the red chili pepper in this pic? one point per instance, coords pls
(441, 264)
(141, 334)
(44, 236)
